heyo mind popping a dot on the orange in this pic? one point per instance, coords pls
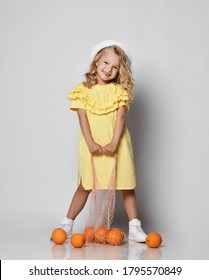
(89, 234)
(117, 229)
(115, 237)
(59, 236)
(153, 240)
(78, 240)
(101, 234)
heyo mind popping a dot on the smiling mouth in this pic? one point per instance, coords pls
(106, 74)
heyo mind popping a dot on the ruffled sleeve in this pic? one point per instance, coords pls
(122, 98)
(76, 96)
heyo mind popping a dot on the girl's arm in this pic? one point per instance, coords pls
(111, 148)
(94, 148)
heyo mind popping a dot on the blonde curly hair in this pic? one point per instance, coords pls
(124, 77)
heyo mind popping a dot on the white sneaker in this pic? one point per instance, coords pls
(67, 225)
(136, 232)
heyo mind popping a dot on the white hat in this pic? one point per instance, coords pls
(105, 44)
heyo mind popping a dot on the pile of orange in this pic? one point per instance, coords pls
(104, 235)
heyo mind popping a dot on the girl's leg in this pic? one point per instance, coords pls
(78, 202)
(136, 232)
(129, 199)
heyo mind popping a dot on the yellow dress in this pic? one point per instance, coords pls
(101, 103)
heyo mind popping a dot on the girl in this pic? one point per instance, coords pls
(101, 103)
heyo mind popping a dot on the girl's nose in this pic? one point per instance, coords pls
(109, 68)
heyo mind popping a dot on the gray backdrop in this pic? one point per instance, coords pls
(45, 45)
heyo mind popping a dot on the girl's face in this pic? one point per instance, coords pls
(108, 67)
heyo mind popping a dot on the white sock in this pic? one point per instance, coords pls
(67, 221)
(135, 222)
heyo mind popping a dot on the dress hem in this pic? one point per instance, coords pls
(117, 189)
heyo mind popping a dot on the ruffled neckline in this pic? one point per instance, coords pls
(119, 98)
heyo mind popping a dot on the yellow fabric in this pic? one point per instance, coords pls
(101, 103)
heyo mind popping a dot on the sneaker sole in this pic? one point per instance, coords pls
(141, 241)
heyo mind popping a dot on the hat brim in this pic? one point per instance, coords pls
(105, 44)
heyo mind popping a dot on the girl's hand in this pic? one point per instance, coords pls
(110, 149)
(95, 149)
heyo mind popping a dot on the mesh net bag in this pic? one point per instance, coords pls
(102, 204)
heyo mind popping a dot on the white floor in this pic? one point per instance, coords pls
(31, 241)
